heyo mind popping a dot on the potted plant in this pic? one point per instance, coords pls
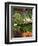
(22, 24)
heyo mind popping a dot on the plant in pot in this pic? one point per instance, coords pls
(22, 24)
(16, 31)
(16, 25)
(26, 27)
(27, 30)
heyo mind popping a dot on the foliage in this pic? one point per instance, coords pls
(20, 21)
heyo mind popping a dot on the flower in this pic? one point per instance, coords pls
(28, 19)
(15, 24)
(24, 20)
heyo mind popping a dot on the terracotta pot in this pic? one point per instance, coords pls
(27, 34)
